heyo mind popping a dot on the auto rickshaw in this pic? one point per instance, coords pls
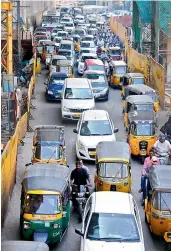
(142, 132)
(117, 70)
(49, 49)
(24, 245)
(49, 144)
(45, 204)
(76, 40)
(158, 202)
(139, 89)
(137, 103)
(132, 79)
(65, 66)
(113, 167)
(115, 53)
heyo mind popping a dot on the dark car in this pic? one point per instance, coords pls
(99, 84)
(55, 84)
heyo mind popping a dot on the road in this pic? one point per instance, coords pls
(50, 113)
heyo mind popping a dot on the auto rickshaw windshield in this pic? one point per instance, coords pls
(113, 170)
(162, 201)
(143, 129)
(138, 81)
(145, 107)
(47, 152)
(120, 69)
(42, 204)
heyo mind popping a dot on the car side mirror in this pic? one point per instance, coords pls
(45, 84)
(116, 130)
(75, 131)
(77, 231)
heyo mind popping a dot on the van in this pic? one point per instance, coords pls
(77, 97)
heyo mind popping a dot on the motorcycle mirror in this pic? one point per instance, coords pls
(75, 131)
(45, 83)
(28, 164)
(116, 130)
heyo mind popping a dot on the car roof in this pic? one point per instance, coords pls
(94, 72)
(58, 74)
(94, 62)
(119, 202)
(87, 41)
(95, 115)
(118, 63)
(66, 42)
(89, 54)
(77, 83)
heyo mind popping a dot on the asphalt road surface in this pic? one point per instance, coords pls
(50, 113)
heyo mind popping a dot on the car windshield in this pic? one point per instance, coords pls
(115, 52)
(78, 93)
(120, 69)
(46, 152)
(162, 201)
(143, 129)
(137, 81)
(144, 107)
(57, 40)
(95, 127)
(85, 51)
(113, 170)
(85, 45)
(114, 227)
(57, 80)
(64, 53)
(55, 31)
(87, 57)
(61, 34)
(79, 32)
(88, 39)
(42, 204)
(69, 25)
(96, 67)
(65, 46)
(96, 78)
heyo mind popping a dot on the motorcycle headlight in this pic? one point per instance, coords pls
(27, 225)
(56, 225)
(65, 109)
(80, 194)
(50, 92)
(81, 146)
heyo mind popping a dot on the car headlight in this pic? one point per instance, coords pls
(81, 146)
(27, 225)
(65, 109)
(104, 90)
(50, 92)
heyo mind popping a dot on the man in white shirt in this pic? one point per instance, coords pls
(163, 149)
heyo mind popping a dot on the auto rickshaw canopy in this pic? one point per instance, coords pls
(50, 133)
(118, 63)
(46, 177)
(140, 89)
(113, 152)
(134, 75)
(65, 63)
(23, 245)
(139, 99)
(159, 177)
(142, 116)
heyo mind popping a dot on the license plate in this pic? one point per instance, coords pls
(92, 153)
(97, 95)
(57, 95)
(76, 115)
(143, 152)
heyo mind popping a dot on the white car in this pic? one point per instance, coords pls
(66, 20)
(88, 44)
(111, 221)
(81, 61)
(77, 97)
(63, 34)
(89, 38)
(57, 40)
(54, 33)
(69, 27)
(93, 127)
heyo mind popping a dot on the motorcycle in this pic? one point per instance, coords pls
(80, 195)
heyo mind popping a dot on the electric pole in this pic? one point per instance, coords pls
(19, 35)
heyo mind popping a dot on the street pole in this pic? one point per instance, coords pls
(19, 35)
(9, 122)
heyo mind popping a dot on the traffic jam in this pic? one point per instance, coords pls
(85, 61)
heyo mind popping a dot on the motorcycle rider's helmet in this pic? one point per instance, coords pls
(162, 137)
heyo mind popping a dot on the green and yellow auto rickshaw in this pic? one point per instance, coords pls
(45, 203)
(65, 66)
(158, 202)
(49, 144)
(113, 167)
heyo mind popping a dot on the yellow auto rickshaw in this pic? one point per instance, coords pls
(45, 203)
(132, 79)
(158, 202)
(76, 40)
(65, 66)
(49, 50)
(113, 167)
(141, 132)
(117, 70)
(137, 103)
(49, 144)
(139, 89)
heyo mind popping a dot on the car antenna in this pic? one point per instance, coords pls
(51, 156)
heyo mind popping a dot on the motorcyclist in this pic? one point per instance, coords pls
(162, 149)
(166, 129)
(79, 176)
(148, 163)
(85, 167)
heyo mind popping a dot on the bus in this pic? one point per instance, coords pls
(50, 18)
